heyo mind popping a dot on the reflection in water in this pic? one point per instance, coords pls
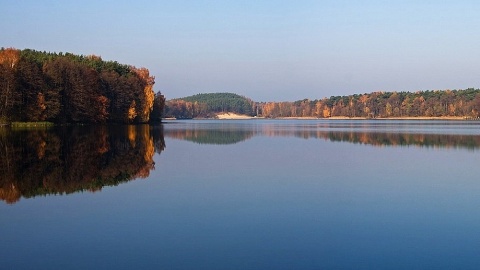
(209, 132)
(211, 136)
(67, 160)
(406, 139)
(376, 133)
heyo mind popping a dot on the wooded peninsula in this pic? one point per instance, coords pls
(66, 88)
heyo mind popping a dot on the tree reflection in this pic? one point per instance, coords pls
(71, 159)
(408, 139)
(228, 134)
(210, 136)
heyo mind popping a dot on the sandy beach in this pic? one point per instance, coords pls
(233, 116)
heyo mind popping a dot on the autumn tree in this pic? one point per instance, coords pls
(158, 108)
(8, 63)
(146, 96)
(30, 90)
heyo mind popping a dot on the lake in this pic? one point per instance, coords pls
(242, 194)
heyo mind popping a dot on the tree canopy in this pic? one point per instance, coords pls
(205, 105)
(430, 103)
(68, 88)
(446, 103)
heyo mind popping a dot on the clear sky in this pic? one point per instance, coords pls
(266, 50)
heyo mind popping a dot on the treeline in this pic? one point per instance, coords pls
(447, 103)
(207, 105)
(68, 88)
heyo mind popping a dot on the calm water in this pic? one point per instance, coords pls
(254, 194)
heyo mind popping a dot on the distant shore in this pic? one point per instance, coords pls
(401, 118)
(235, 116)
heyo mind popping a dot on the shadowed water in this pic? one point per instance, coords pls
(257, 194)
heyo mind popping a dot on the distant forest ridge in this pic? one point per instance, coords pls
(207, 105)
(69, 88)
(430, 103)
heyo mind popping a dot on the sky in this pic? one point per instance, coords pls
(265, 50)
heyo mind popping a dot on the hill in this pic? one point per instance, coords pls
(207, 105)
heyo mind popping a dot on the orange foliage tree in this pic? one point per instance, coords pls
(38, 86)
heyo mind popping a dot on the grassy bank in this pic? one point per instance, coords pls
(31, 124)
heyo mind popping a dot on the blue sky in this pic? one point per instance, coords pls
(266, 50)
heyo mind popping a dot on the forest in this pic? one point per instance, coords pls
(207, 105)
(67, 88)
(446, 103)
(430, 103)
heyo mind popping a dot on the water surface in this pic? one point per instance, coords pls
(253, 194)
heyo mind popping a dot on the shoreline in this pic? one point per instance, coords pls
(228, 116)
(456, 118)
(233, 116)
